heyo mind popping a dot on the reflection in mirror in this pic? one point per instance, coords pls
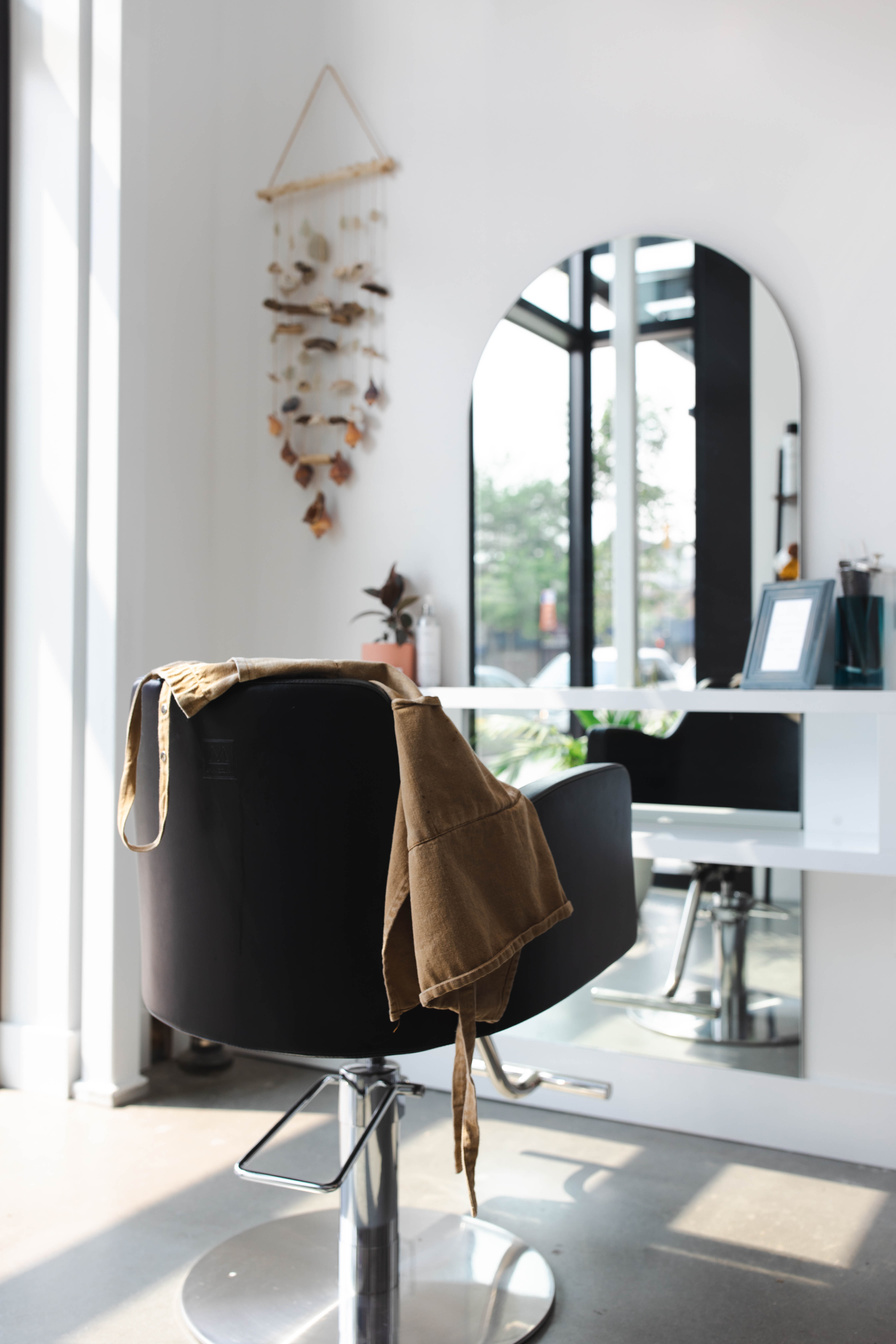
(636, 470)
(636, 478)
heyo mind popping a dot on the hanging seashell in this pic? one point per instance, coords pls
(317, 419)
(289, 329)
(371, 351)
(289, 373)
(319, 343)
(303, 419)
(338, 420)
(352, 434)
(275, 426)
(290, 404)
(304, 385)
(317, 517)
(342, 385)
(303, 474)
(305, 271)
(321, 306)
(373, 288)
(372, 394)
(318, 247)
(304, 357)
(288, 455)
(274, 377)
(275, 268)
(340, 470)
(343, 221)
(374, 216)
(359, 415)
(316, 459)
(346, 313)
(356, 222)
(287, 283)
(294, 309)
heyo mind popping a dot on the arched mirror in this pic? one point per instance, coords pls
(636, 469)
(636, 481)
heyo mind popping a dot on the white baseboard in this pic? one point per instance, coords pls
(39, 1059)
(109, 1093)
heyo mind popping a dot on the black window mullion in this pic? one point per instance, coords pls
(581, 555)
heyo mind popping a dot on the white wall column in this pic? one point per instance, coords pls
(40, 971)
(111, 1012)
(623, 299)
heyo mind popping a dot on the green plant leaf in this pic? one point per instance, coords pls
(367, 613)
(406, 602)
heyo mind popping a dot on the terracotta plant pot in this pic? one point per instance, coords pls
(396, 655)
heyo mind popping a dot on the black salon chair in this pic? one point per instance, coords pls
(748, 761)
(262, 923)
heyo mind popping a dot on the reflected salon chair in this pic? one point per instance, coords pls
(262, 921)
(747, 761)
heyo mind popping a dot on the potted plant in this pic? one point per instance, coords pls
(398, 651)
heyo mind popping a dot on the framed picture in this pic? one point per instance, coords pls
(788, 634)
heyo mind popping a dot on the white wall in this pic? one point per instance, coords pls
(525, 130)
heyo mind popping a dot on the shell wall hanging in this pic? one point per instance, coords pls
(327, 297)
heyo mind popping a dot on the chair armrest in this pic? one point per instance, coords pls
(585, 814)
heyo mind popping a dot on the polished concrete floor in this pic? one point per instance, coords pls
(654, 1237)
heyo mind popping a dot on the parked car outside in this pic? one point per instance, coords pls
(485, 674)
(656, 666)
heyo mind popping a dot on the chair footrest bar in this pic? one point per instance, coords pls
(390, 1093)
(620, 998)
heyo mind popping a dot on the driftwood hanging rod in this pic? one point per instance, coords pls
(337, 175)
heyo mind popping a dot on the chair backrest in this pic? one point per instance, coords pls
(710, 760)
(262, 907)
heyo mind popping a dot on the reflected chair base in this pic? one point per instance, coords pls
(769, 1019)
(461, 1281)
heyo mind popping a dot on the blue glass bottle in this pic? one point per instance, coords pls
(859, 638)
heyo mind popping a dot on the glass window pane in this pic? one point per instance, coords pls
(666, 517)
(603, 509)
(521, 521)
(665, 280)
(550, 292)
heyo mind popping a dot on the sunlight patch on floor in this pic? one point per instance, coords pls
(782, 1213)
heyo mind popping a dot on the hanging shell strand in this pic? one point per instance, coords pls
(326, 290)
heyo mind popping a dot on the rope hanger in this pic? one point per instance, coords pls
(381, 164)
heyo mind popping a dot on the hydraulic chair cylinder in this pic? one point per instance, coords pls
(368, 1216)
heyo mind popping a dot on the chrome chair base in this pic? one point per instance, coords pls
(461, 1281)
(764, 1019)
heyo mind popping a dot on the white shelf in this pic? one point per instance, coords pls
(848, 772)
(763, 847)
(823, 700)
